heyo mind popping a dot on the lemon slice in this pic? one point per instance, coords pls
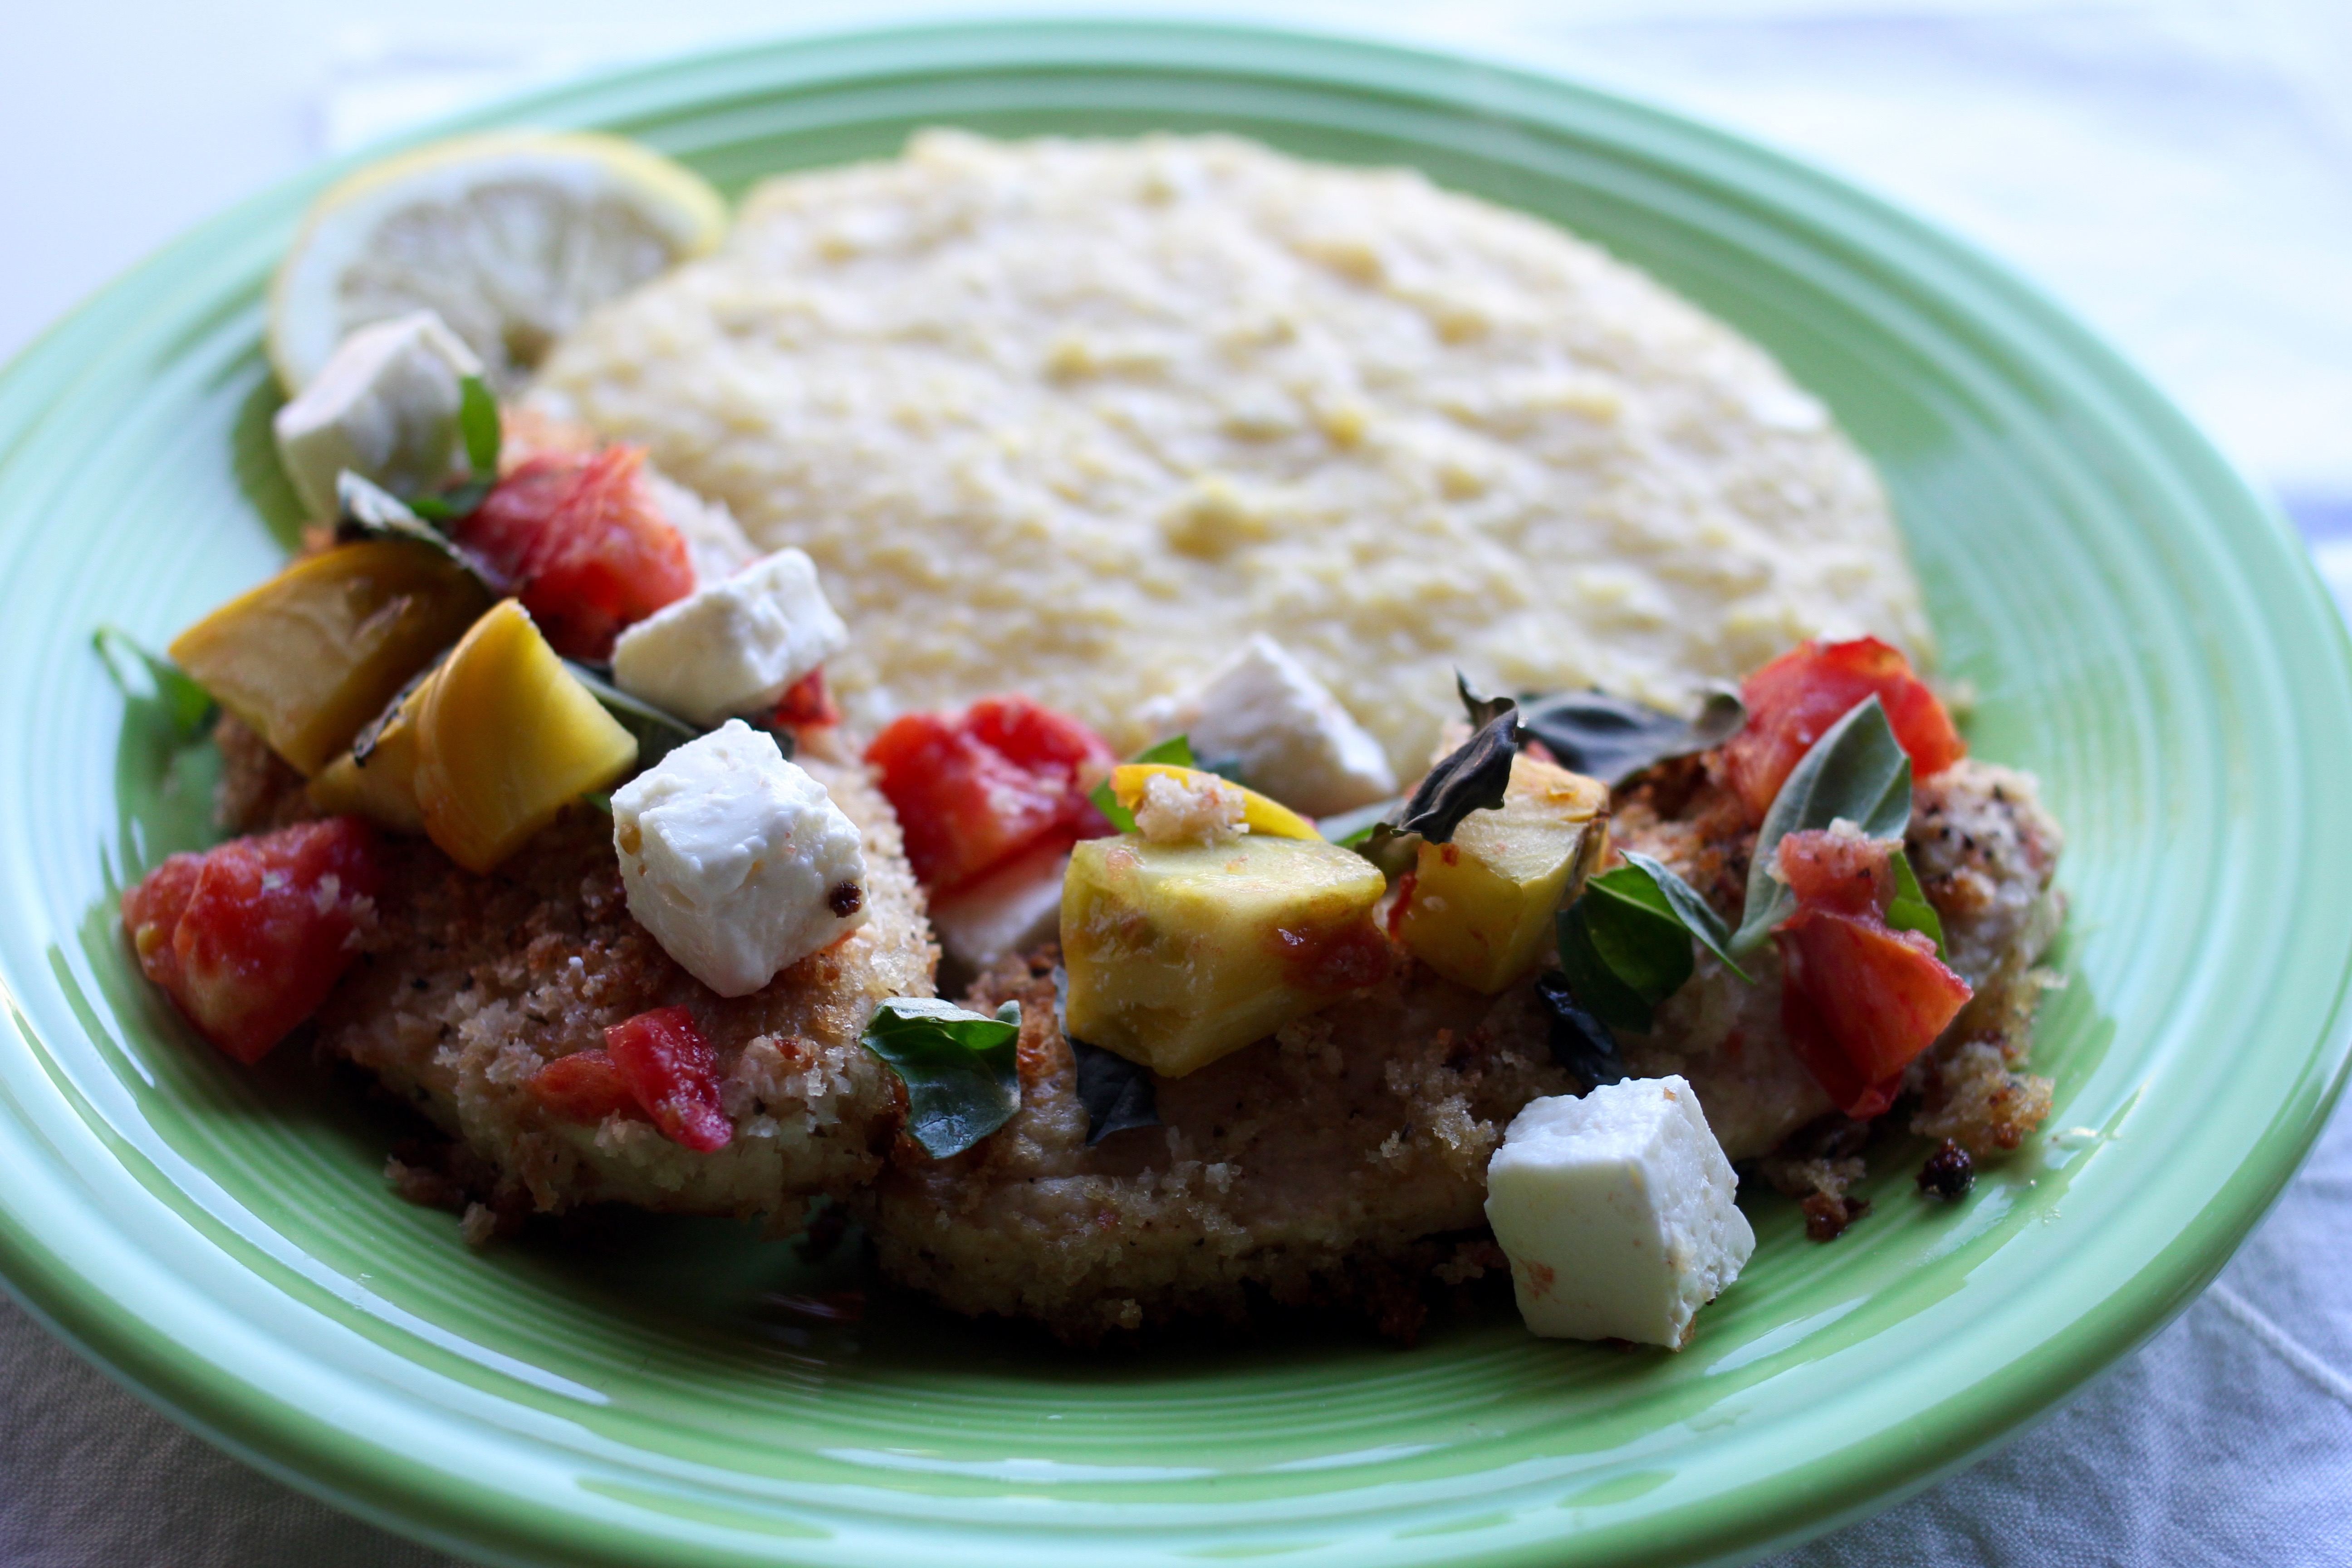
(512, 237)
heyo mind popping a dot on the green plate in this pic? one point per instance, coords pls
(2141, 631)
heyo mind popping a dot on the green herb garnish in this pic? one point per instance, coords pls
(1625, 943)
(477, 423)
(1857, 771)
(961, 1069)
(1177, 751)
(187, 705)
(1613, 738)
(368, 510)
(658, 730)
(1909, 910)
(1472, 778)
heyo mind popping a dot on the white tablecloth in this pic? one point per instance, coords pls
(2178, 171)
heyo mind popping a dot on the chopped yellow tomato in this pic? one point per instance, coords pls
(314, 653)
(381, 787)
(1177, 954)
(1268, 817)
(1479, 910)
(505, 739)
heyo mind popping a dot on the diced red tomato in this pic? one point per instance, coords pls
(807, 703)
(1795, 699)
(585, 1087)
(1845, 874)
(975, 789)
(670, 1072)
(248, 938)
(584, 545)
(1858, 1000)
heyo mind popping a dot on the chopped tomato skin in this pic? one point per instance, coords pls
(1795, 699)
(248, 938)
(806, 704)
(1843, 873)
(1858, 1000)
(585, 1087)
(976, 789)
(587, 550)
(670, 1072)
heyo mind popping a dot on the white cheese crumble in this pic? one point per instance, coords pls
(384, 406)
(736, 860)
(1291, 737)
(732, 646)
(1616, 1211)
(1198, 809)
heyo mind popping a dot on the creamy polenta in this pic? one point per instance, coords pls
(1075, 418)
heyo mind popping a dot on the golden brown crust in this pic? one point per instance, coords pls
(1341, 1162)
(469, 983)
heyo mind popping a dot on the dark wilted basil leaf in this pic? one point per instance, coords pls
(1176, 751)
(658, 730)
(962, 1069)
(1471, 779)
(1910, 909)
(187, 705)
(1580, 1043)
(1856, 771)
(1613, 737)
(1118, 1093)
(1482, 710)
(366, 511)
(478, 421)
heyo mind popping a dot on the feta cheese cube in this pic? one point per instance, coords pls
(384, 406)
(733, 645)
(737, 860)
(1616, 1211)
(1294, 742)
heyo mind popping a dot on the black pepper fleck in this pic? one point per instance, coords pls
(1949, 1172)
(846, 900)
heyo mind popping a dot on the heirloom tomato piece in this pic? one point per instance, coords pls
(584, 545)
(1794, 700)
(248, 938)
(975, 789)
(585, 1087)
(1859, 1000)
(670, 1072)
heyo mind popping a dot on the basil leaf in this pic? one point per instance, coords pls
(1483, 710)
(455, 504)
(1613, 737)
(961, 1071)
(658, 730)
(1580, 1043)
(1176, 751)
(1623, 948)
(1699, 916)
(1118, 1093)
(1909, 910)
(187, 705)
(1472, 779)
(478, 421)
(1857, 771)
(366, 511)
